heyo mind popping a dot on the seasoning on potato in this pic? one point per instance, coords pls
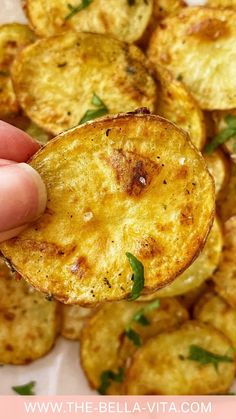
(194, 359)
(126, 184)
(184, 43)
(28, 322)
(13, 37)
(116, 331)
(124, 19)
(69, 79)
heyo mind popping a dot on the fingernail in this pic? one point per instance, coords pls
(23, 196)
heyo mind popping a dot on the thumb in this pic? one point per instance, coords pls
(22, 197)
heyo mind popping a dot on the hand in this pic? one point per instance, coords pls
(22, 192)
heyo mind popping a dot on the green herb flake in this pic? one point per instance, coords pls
(92, 114)
(179, 77)
(108, 376)
(224, 135)
(140, 317)
(133, 336)
(76, 9)
(26, 389)
(204, 357)
(137, 277)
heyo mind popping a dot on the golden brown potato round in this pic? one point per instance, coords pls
(161, 10)
(213, 310)
(176, 104)
(222, 3)
(184, 43)
(126, 183)
(164, 8)
(201, 269)
(226, 202)
(72, 320)
(225, 276)
(103, 336)
(191, 297)
(124, 19)
(219, 167)
(162, 366)
(13, 37)
(220, 125)
(56, 79)
(28, 322)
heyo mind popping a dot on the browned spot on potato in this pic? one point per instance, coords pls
(80, 267)
(186, 216)
(9, 316)
(9, 348)
(44, 247)
(182, 173)
(210, 29)
(133, 172)
(148, 248)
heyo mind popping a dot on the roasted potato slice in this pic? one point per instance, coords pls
(222, 3)
(226, 202)
(225, 276)
(127, 183)
(190, 298)
(28, 322)
(212, 309)
(13, 37)
(220, 125)
(165, 8)
(201, 269)
(104, 334)
(124, 19)
(176, 104)
(161, 10)
(184, 43)
(162, 365)
(219, 166)
(104, 74)
(72, 320)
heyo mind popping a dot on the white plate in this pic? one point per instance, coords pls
(58, 373)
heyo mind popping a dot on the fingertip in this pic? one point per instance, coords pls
(24, 196)
(15, 144)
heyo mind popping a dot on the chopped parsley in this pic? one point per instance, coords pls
(133, 336)
(107, 377)
(90, 114)
(76, 9)
(204, 357)
(139, 317)
(26, 389)
(137, 277)
(224, 135)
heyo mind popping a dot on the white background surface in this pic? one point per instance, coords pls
(59, 372)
